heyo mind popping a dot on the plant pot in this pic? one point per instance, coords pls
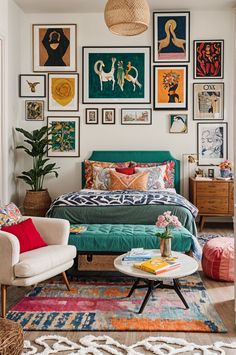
(36, 203)
(165, 247)
(225, 173)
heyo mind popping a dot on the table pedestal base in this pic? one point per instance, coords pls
(151, 286)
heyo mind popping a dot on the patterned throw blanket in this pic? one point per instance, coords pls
(121, 198)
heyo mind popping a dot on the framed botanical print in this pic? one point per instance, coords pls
(64, 136)
(34, 110)
(54, 48)
(212, 143)
(136, 116)
(170, 87)
(179, 123)
(63, 92)
(116, 75)
(208, 101)
(208, 59)
(171, 33)
(91, 116)
(108, 116)
(32, 85)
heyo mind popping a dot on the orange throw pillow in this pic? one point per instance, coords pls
(120, 181)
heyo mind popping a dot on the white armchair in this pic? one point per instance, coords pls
(37, 265)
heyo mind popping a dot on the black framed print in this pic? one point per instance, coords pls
(108, 116)
(32, 85)
(91, 116)
(136, 116)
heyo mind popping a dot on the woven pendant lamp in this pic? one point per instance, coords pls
(127, 17)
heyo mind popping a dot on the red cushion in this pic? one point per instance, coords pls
(126, 171)
(28, 236)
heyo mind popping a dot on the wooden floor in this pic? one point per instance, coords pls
(221, 293)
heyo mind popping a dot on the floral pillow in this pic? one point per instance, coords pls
(136, 181)
(89, 169)
(9, 215)
(155, 178)
(101, 177)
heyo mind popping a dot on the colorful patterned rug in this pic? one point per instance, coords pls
(204, 237)
(96, 305)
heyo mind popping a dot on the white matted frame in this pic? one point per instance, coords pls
(208, 101)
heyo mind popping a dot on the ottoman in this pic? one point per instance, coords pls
(218, 259)
(11, 338)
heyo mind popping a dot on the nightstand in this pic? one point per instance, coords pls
(213, 198)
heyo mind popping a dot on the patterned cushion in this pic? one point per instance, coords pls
(89, 169)
(9, 215)
(155, 178)
(101, 177)
(136, 181)
(218, 259)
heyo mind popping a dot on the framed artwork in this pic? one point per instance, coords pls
(63, 92)
(116, 75)
(64, 136)
(208, 101)
(136, 116)
(108, 116)
(54, 48)
(170, 87)
(179, 123)
(34, 110)
(32, 85)
(211, 173)
(91, 116)
(208, 59)
(212, 143)
(171, 33)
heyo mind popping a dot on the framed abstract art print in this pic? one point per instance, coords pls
(64, 136)
(63, 92)
(170, 87)
(32, 85)
(212, 143)
(34, 110)
(171, 33)
(208, 101)
(116, 75)
(54, 48)
(179, 123)
(208, 58)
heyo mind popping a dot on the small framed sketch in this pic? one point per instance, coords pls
(63, 92)
(91, 116)
(54, 48)
(212, 143)
(171, 32)
(64, 137)
(136, 116)
(179, 123)
(170, 87)
(211, 173)
(208, 101)
(34, 110)
(32, 85)
(208, 59)
(108, 116)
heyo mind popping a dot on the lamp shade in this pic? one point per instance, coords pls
(127, 17)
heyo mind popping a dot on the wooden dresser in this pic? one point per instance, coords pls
(212, 198)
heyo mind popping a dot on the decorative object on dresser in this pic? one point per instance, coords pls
(136, 116)
(54, 47)
(213, 198)
(171, 33)
(108, 116)
(34, 110)
(225, 169)
(208, 101)
(179, 123)
(91, 115)
(170, 87)
(37, 200)
(32, 85)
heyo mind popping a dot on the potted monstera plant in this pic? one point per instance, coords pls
(37, 199)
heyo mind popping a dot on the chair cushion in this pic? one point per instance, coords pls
(38, 261)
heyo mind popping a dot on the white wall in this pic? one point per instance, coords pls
(93, 32)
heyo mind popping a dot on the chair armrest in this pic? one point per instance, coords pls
(54, 231)
(9, 256)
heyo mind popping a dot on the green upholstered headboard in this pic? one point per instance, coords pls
(138, 156)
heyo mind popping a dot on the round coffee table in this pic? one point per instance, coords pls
(188, 266)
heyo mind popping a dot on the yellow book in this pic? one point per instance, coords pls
(158, 265)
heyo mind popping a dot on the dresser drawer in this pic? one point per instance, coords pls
(212, 189)
(214, 205)
(231, 199)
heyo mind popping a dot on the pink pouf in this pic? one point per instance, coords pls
(218, 259)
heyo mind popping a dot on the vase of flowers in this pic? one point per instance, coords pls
(168, 222)
(225, 168)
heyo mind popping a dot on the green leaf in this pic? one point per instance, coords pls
(25, 133)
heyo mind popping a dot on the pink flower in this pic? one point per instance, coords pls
(167, 219)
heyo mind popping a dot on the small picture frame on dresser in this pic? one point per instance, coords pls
(211, 173)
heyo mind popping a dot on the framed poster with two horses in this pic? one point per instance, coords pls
(116, 75)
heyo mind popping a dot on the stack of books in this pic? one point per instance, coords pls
(77, 229)
(158, 265)
(137, 255)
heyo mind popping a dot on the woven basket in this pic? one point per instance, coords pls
(127, 17)
(11, 338)
(36, 203)
(97, 263)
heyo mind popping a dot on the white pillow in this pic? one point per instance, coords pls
(156, 176)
